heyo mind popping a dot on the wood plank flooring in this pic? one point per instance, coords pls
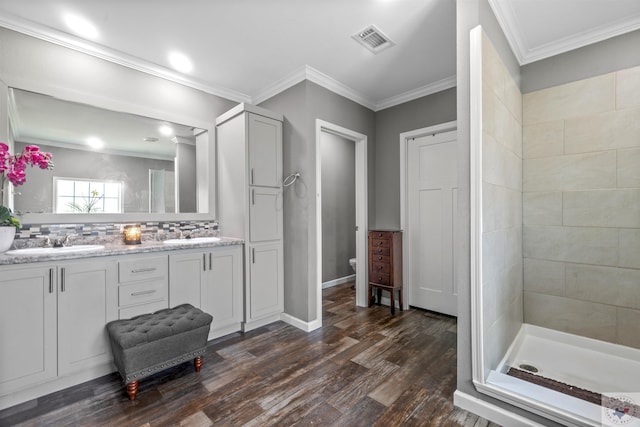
(364, 367)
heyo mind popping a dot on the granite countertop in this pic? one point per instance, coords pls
(115, 248)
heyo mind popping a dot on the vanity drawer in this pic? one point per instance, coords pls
(142, 292)
(141, 268)
(137, 310)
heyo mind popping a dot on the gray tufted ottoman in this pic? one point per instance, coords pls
(146, 344)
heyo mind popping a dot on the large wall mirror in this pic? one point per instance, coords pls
(109, 165)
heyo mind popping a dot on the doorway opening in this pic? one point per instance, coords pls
(361, 211)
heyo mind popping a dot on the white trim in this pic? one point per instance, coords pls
(490, 411)
(506, 16)
(361, 209)
(317, 77)
(429, 89)
(404, 212)
(48, 34)
(477, 339)
(301, 324)
(281, 85)
(338, 281)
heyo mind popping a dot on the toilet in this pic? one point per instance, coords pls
(352, 263)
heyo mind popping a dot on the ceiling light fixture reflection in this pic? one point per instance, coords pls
(81, 26)
(180, 62)
(94, 142)
(166, 130)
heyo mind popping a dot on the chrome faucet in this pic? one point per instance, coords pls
(65, 241)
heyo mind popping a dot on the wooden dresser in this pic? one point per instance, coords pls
(385, 265)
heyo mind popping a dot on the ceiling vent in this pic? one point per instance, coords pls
(373, 39)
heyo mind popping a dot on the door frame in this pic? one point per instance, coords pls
(405, 137)
(362, 204)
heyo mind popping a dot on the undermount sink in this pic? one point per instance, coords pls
(192, 241)
(54, 251)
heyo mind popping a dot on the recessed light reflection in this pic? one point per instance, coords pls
(81, 26)
(94, 142)
(166, 130)
(180, 62)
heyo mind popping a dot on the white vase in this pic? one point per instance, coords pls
(7, 234)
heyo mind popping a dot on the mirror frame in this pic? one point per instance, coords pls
(129, 108)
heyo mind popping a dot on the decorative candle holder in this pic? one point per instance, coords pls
(132, 234)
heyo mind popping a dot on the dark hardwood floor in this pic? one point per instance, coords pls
(364, 367)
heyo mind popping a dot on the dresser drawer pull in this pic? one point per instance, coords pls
(143, 270)
(380, 258)
(380, 279)
(380, 243)
(380, 267)
(137, 294)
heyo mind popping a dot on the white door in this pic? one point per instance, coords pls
(432, 205)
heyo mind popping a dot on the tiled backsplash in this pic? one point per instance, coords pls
(30, 234)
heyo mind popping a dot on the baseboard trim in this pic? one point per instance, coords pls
(490, 411)
(338, 281)
(301, 324)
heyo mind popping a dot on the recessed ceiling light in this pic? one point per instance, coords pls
(81, 26)
(180, 62)
(166, 130)
(94, 142)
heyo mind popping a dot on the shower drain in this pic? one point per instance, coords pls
(528, 368)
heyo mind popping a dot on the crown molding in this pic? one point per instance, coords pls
(335, 86)
(429, 89)
(281, 85)
(580, 40)
(506, 16)
(331, 84)
(62, 39)
(309, 73)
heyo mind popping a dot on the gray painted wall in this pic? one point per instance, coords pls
(429, 110)
(610, 55)
(301, 105)
(338, 206)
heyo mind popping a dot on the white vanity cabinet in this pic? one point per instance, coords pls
(86, 296)
(212, 281)
(250, 201)
(28, 326)
(143, 284)
(52, 318)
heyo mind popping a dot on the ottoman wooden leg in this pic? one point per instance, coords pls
(197, 362)
(132, 389)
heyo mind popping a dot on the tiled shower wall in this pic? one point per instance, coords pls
(501, 206)
(581, 207)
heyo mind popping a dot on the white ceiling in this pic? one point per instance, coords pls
(538, 29)
(248, 50)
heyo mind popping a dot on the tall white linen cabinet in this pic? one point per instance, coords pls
(249, 204)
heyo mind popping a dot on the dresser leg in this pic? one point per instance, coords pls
(400, 297)
(392, 300)
(379, 300)
(370, 295)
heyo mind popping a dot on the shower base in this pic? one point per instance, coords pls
(598, 383)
